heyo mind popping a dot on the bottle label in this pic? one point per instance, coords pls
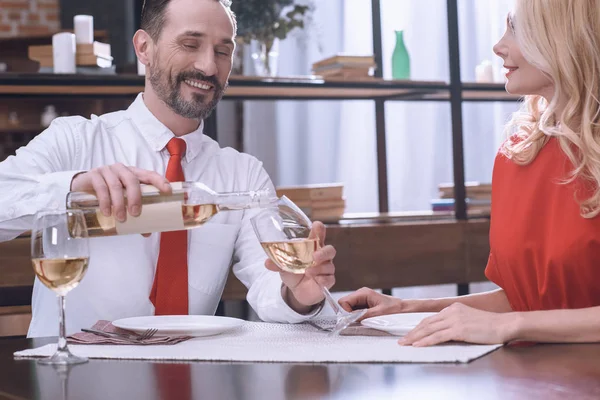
(157, 217)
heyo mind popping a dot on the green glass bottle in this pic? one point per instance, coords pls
(400, 58)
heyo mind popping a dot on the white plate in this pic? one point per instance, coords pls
(396, 324)
(188, 325)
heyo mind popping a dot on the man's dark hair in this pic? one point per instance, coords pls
(154, 15)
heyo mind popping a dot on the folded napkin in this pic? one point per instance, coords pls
(107, 326)
(355, 329)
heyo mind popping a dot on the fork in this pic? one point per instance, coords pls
(147, 334)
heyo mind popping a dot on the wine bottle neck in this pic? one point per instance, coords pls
(244, 200)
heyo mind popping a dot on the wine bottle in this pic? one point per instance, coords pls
(400, 58)
(191, 204)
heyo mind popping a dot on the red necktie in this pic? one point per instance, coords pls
(173, 381)
(170, 289)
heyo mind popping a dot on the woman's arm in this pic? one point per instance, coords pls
(462, 323)
(494, 301)
(379, 304)
(558, 326)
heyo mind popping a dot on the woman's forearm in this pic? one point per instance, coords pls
(558, 326)
(494, 301)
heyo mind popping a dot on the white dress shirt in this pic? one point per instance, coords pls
(121, 268)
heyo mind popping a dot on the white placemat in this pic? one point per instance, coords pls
(263, 342)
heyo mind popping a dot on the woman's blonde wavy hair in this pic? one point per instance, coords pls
(562, 39)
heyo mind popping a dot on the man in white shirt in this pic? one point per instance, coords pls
(187, 47)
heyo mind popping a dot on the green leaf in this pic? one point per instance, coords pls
(262, 19)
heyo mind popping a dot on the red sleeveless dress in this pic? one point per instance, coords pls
(544, 254)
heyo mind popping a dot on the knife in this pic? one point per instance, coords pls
(111, 334)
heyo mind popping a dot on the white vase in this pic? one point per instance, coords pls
(265, 60)
(48, 116)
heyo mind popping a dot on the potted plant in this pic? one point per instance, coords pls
(267, 22)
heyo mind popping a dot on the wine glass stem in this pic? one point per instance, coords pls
(62, 337)
(330, 300)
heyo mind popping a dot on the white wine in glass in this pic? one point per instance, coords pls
(284, 233)
(295, 255)
(60, 274)
(60, 255)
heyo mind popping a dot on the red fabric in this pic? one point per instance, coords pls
(544, 254)
(170, 288)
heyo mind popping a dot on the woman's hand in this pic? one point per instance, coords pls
(462, 323)
(375, 303)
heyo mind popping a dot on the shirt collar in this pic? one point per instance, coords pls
(158, 135)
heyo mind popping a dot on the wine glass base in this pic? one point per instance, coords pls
(346, 319)
(63, 357)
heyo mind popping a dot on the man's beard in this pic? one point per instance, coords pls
(168, 89)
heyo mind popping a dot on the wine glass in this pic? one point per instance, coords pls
(60, 254)
(284, 233)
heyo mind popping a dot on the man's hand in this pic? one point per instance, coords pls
(303, 291)
(110, 184)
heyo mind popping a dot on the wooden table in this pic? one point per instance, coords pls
(538, 372)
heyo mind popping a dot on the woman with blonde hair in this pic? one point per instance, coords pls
(545, 227)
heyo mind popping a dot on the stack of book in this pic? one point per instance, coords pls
(478, 197)
(92, 55)
(345, 66)
(323, 202)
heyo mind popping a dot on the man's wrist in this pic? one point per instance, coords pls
(294, 304)
(73, 179)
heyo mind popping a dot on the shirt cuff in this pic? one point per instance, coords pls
(284, 312)
(59, 184)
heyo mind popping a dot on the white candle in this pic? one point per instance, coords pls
(63, 53)
(84, 28)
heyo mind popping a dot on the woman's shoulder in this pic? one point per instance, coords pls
(523, 150)
(505, 152)
(508, 145)
(505, 164)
